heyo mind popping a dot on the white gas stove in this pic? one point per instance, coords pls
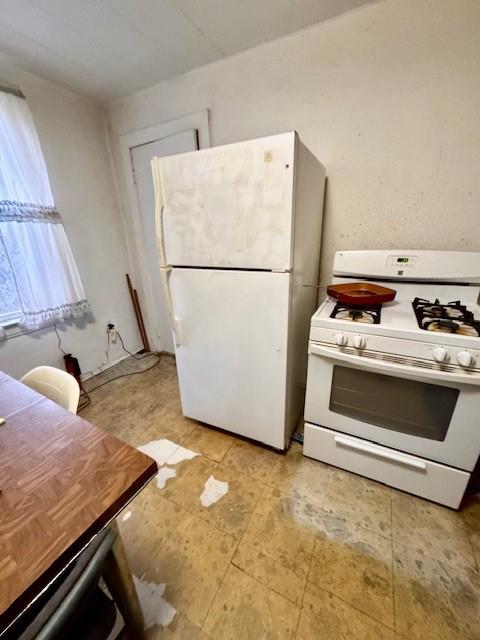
(393, 392)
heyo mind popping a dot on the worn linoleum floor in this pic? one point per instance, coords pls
(294, 549)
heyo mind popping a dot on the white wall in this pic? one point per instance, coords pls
(72, 136)
(386, 96)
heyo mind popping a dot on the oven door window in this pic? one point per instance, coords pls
(410, 407)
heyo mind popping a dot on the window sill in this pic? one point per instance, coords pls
(9, 320)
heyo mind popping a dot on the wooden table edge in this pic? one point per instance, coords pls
(10, 615)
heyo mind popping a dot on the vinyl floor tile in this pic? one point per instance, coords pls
(244, 609)
(300, 477)
(147, 523)
(326, 617)
(474, 537)
(285, 528)
(210, 442)
(431, 530)
(434, 600)
(355, 564)
(187, 485)
(192, 563)
(251, 460)
(361, 501)
(470, 512)
(272, 571)
(233, 511)
(278, 543)
(179, 629)
(163, 424)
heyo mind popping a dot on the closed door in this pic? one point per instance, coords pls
(232, 356)
(157, 321)
(230, 206)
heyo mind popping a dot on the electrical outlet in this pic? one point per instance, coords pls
(112, 332)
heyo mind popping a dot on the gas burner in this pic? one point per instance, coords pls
(450, 326)
(367, 314)
(440, 311)
(452, 317)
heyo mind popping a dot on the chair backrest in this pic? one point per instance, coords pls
(58, 385)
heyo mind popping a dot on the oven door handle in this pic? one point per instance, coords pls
(380, 452)
(403, 370)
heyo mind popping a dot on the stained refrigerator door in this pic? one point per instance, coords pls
(229, 206)
(232, 356)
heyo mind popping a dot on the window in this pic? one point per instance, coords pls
(10, 310)
(39, 280)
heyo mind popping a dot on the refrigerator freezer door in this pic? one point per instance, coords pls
(230, 206)
(232, 361)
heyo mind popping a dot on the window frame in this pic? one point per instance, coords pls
(10, 318)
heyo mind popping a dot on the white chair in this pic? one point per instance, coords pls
(55, 384)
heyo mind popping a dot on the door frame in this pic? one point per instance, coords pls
(135, 246)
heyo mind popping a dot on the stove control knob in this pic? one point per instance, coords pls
(341, 339)
(465, 359)
(440, 354)
(359, 342)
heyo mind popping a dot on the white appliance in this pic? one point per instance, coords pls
(238, 235)
(394, 393)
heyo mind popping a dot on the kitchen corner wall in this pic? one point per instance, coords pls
(72, 136)
(386, 96)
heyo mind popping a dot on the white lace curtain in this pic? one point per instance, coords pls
(31, 231)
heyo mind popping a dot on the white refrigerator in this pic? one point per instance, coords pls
(238, 235)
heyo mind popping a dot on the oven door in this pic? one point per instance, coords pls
(431, 413)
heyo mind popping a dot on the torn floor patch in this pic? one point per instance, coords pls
(156, 610)
(213, 491)
(164, 474)
(165, 451)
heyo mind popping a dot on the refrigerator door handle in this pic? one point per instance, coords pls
(165, 273)
(159, 211)
(165, 269)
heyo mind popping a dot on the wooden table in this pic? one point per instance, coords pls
(62, 481)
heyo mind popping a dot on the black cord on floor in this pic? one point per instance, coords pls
(86, 394)
(134, 355)
(132, 373)
(86, 400)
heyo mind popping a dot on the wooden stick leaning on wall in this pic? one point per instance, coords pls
(146, 344)
(138, 313)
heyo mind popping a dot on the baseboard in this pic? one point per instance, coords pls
(111, 363)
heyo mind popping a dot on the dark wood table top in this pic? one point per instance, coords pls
(62, 480)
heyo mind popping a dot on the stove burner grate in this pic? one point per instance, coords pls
(368, 314)
(452, 317)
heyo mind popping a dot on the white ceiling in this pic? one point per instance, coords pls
(111, 48)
